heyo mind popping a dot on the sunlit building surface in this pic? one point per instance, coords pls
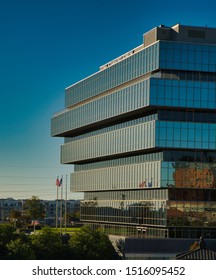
(141, 134)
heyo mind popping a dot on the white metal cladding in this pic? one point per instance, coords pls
(134, 176)
(143, 62)
(133, 138)
(119, 102)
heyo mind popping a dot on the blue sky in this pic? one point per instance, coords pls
(47, 45)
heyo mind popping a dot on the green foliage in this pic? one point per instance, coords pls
(20, 250)
(88, 244)
(85, 244)
(15, 214)
(34, 209)
(7, 233)
(75, 216)
(48, 245)
(17, 219)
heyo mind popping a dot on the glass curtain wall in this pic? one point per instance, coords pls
(142, 136)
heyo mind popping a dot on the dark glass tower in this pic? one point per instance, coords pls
(141, 134)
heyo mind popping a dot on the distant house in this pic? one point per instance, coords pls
(198, 253)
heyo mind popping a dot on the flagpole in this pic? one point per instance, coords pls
(61, 204)
(57, 203)
(65, 204)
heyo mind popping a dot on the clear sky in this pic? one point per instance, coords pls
(47, 45)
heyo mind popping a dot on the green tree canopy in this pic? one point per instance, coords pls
(16, 218)
(88, 244)
(48, 245)
(20, 250)
(34, 209)
(7, 233)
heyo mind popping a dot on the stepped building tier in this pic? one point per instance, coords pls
(141, 134)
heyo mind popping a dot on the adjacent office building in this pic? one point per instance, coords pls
(141, 134)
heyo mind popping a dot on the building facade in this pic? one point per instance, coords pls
(141, 133)
(71, 207)
(7, 205)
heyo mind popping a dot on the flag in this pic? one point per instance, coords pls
(58, 182)
(142, 185)
(35, 223)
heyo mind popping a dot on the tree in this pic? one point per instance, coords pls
(48, 245)
(20, 250)
(7, 233)
(88, 244)
(34, 209)
(75, 216)
(16, 218)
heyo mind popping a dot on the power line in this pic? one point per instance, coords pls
(26, 191)
(29, 166)
(27, 177)
(21, 184)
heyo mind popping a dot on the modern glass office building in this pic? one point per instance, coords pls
(141, 134)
